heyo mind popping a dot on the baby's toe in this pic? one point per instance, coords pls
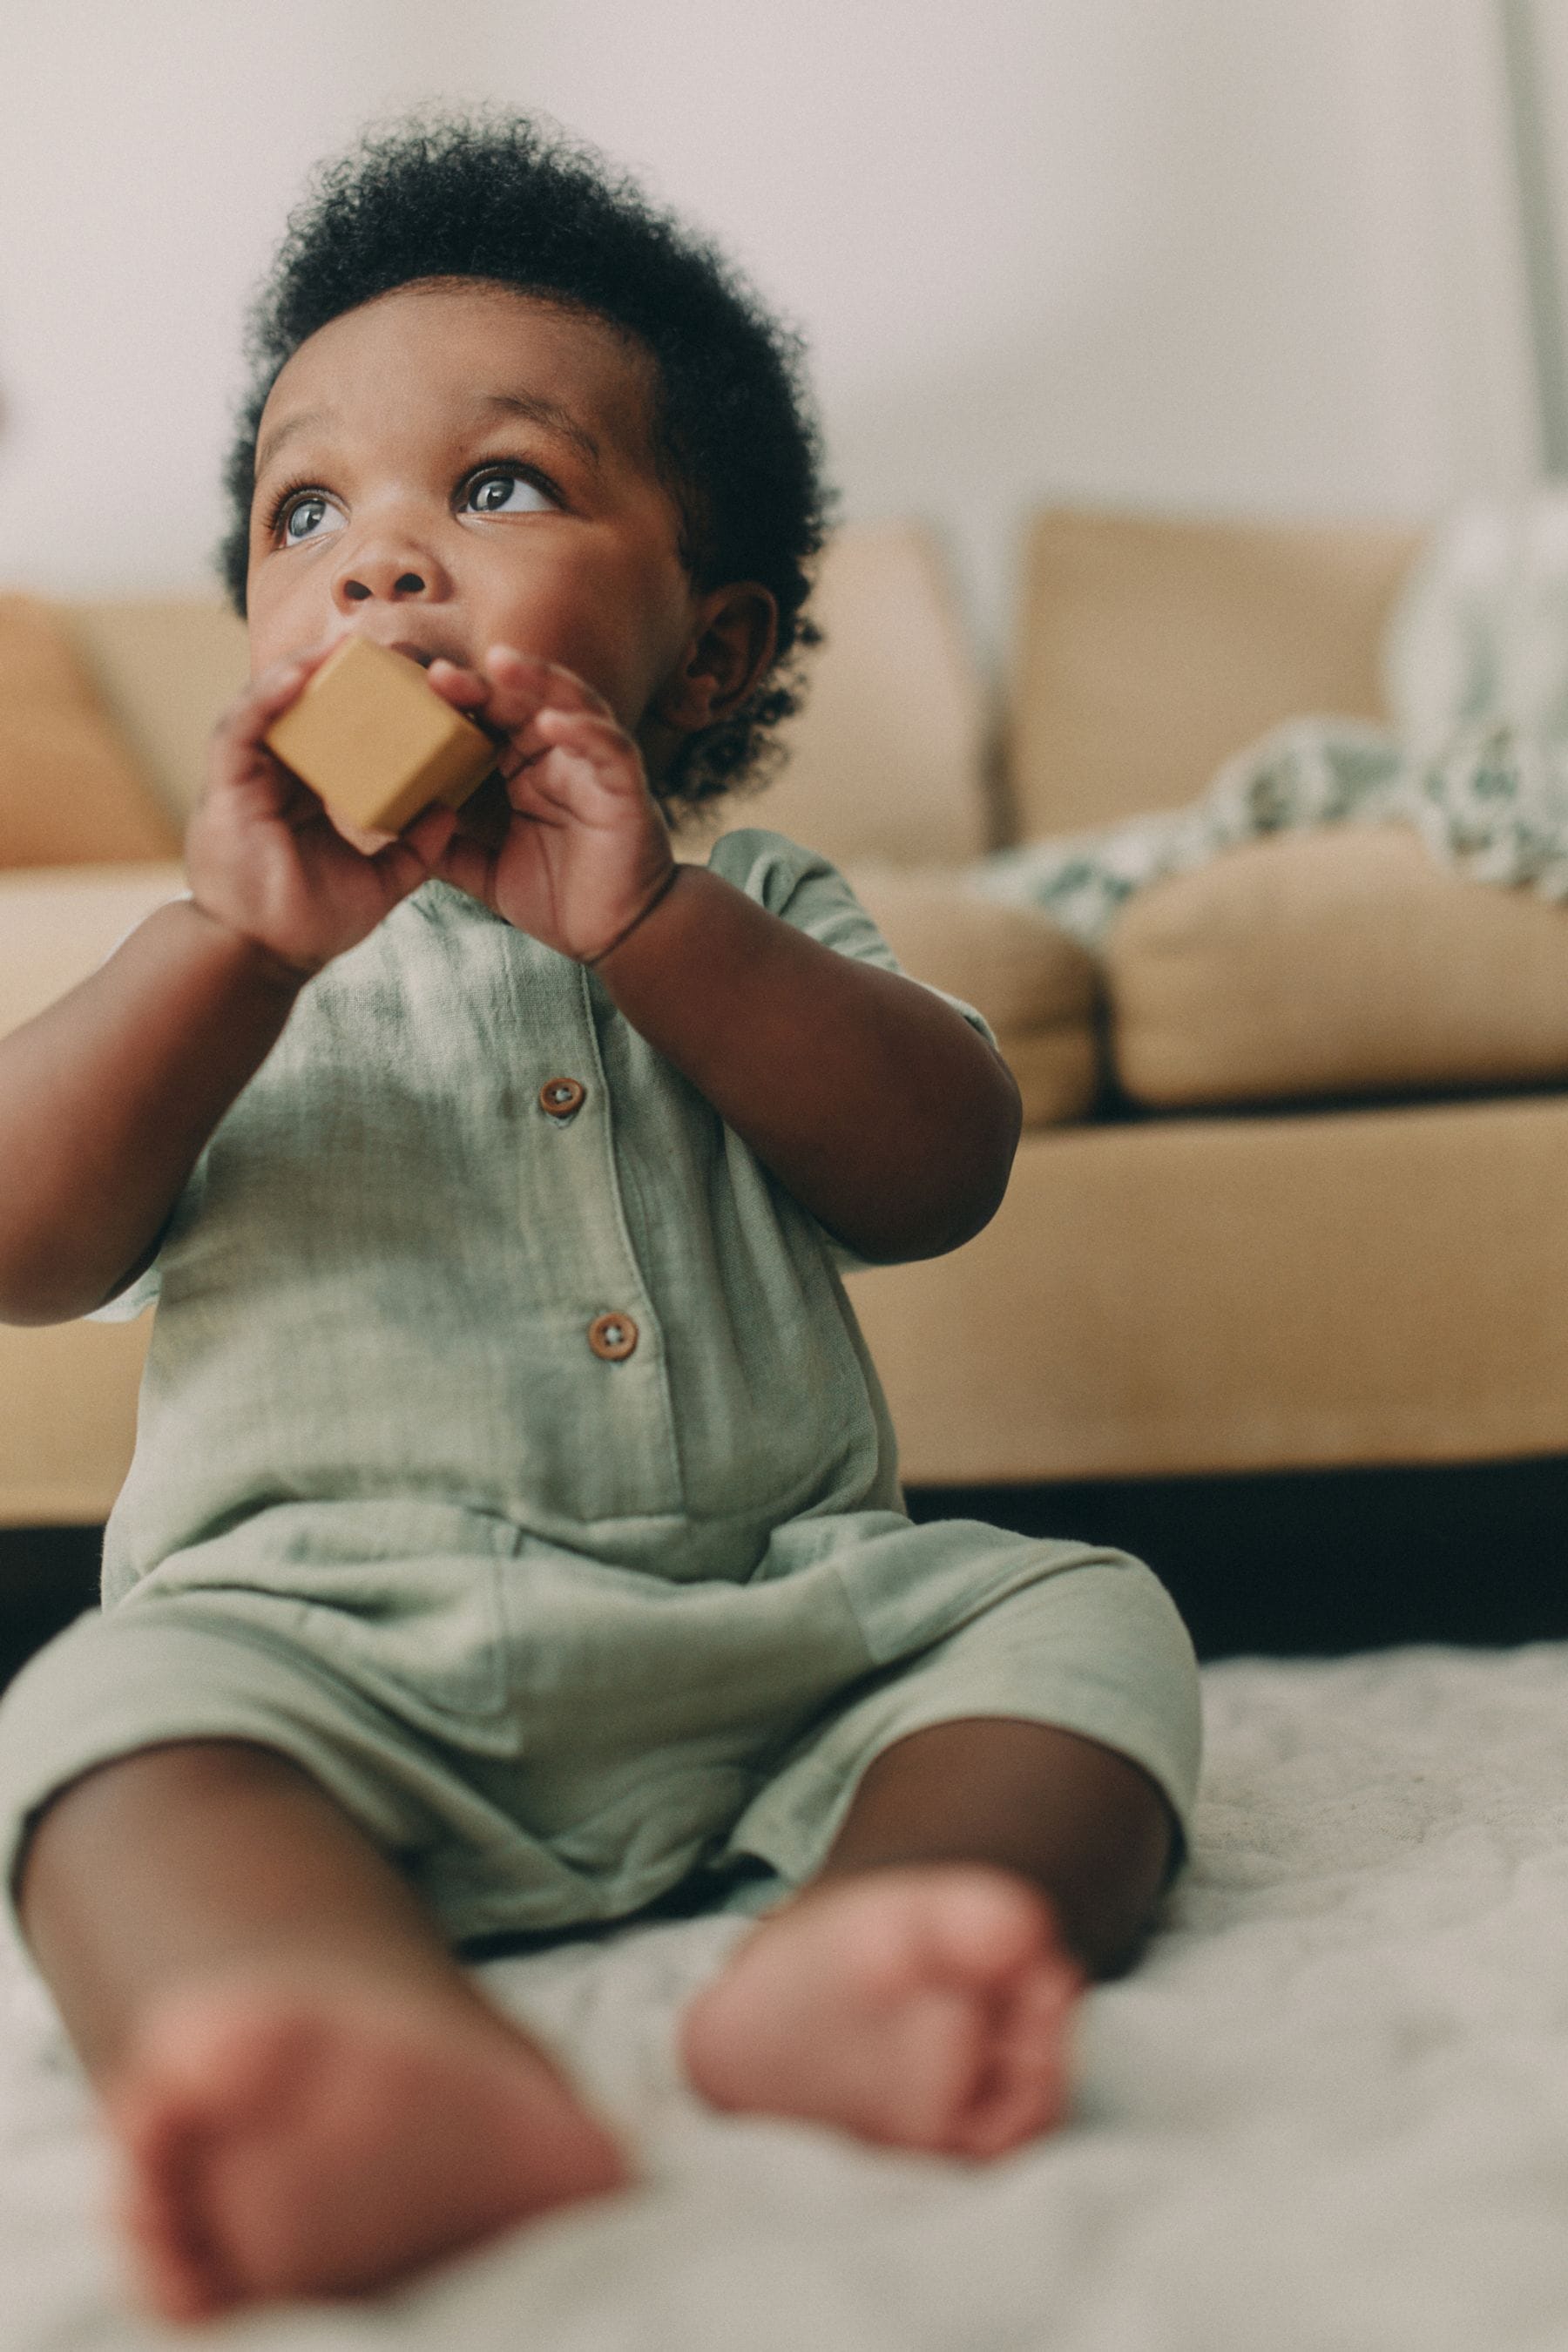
(177, 2268)
(1021, 2090)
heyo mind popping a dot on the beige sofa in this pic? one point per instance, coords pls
(1292, 1190)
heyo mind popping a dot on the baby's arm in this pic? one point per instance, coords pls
(107, 1098)
(875, 1103)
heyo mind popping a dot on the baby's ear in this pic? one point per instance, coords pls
(729, 649)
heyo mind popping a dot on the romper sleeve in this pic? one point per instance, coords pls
(803, 889)
(126, 1304)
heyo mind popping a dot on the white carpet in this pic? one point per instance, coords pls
(1329, 2112)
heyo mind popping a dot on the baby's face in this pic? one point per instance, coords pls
(456, 466)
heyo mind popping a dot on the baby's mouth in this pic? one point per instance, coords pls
(426, 655)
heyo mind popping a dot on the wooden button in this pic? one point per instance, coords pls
(612, 1336)
(562, 1096)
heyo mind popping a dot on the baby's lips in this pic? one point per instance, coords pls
(424, 655)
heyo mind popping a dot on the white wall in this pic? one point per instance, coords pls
(148, 151)
(1214, 254)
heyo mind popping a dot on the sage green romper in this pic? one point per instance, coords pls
(508, 1456)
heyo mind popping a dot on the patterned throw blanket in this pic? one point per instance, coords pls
(1476, 761)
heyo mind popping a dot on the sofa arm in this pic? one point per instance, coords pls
(1039, 989)
(68, 1392)
(58, 924)
(67, 1419)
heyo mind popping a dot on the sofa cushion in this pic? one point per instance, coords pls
(69, 794)
(1344, 962)
(1039, 989)
(56, 926)
(887, 758)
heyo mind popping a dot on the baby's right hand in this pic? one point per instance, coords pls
(267, 861)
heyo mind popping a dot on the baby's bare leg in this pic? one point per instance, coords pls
(918, 1991)
(310, 2096)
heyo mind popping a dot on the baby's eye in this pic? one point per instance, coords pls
(309, 517)
(507, 491)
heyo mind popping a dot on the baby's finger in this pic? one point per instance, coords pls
(590, 736)
(457, 683)
(403, 866)
(584, 768)
(267, 697)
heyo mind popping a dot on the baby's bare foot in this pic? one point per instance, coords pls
(924, 2007)
(285, 2142)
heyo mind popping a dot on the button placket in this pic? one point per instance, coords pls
(603, 1270)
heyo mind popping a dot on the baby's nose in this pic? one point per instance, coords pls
(390, 565)
(408, 584)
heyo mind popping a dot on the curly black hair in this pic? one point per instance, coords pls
(504, 198)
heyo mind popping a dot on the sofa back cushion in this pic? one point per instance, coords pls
(1334, 964)
(165, 668)
(887, 761)
(69, 792)
(1150, 650)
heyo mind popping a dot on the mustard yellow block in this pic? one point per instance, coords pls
(375, 739)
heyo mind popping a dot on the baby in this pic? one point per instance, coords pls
(514, 1544)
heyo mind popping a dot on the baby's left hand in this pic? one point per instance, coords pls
(586, 851)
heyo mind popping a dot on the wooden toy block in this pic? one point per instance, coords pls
(374, 739)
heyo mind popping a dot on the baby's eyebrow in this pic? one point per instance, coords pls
(300, 422)
(548, 412)
(531, 405)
